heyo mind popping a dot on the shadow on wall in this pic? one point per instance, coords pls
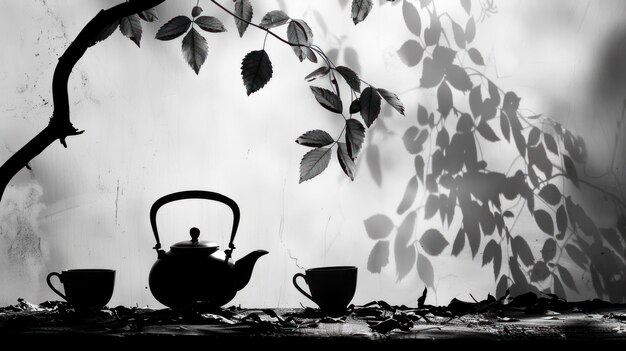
(509, 186)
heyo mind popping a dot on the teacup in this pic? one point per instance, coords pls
(332, 288)
(85, 289)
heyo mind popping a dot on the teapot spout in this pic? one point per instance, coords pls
(244, 266)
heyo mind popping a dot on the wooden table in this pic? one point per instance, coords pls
(298, 327)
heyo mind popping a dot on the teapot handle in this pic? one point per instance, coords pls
(195, 194)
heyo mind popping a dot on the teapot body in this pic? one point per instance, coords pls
(177, 280)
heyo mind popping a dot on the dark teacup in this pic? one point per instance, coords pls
(332, 288)
(85, 289)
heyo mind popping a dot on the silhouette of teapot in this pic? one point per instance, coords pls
(198, 271)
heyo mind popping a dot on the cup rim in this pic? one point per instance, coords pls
(332, 268)
(89, 270)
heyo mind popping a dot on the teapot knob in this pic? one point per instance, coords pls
(195, 233)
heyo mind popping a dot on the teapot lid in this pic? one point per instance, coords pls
(194, 245)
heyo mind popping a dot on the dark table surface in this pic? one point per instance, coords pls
(366, 325)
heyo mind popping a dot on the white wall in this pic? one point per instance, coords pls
(154, 127)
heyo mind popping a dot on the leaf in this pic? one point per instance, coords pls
(551, 194)
(409, 139)
(459, 35)
(548, 251)
(315, 138)
(485, 130)
(458, 78)
(561, 219)
(243, 9)
(570, 170)
(360, 10)
(566, 277)
(433, 242)
(576, 255)
(419, 167)
(470, 30)
(405, 256)
(372, 157)
(522, 250)
(174, 28)
(493, 253)
(548, 139)
(345, 161)
(534, 136)
(473, 236)
(433, 32)
(392, 99)
(370, 105)
(544, 221)
(210, 24)
(409, 196)
(425, 270)
(443, 57)
(422, 115)
(131, 28)
(444, 99)
(412, 18)
(320, 72)
(106, 32)
(195, 49)
(431, 74)
(504, 126)
(351, 78)
(256, 70)
(196, 11)
(459, 242)
(327, 99)
(411, 52)
(476, 57)
(274, 19)
(355, 134)
(309, 54)
(149, 15)
(443, 138)
(296, 34)
(431, 207)
(355, 106)
(540, 272)
(379, 257)
(467, 5)
(465, 124)
(313, 163)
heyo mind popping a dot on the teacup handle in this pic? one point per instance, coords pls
(52, 287)
(295, 283)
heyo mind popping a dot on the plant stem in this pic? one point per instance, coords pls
(257, 26)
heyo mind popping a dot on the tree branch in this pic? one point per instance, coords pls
(60, 126)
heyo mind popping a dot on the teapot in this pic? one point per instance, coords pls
(198, 271)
